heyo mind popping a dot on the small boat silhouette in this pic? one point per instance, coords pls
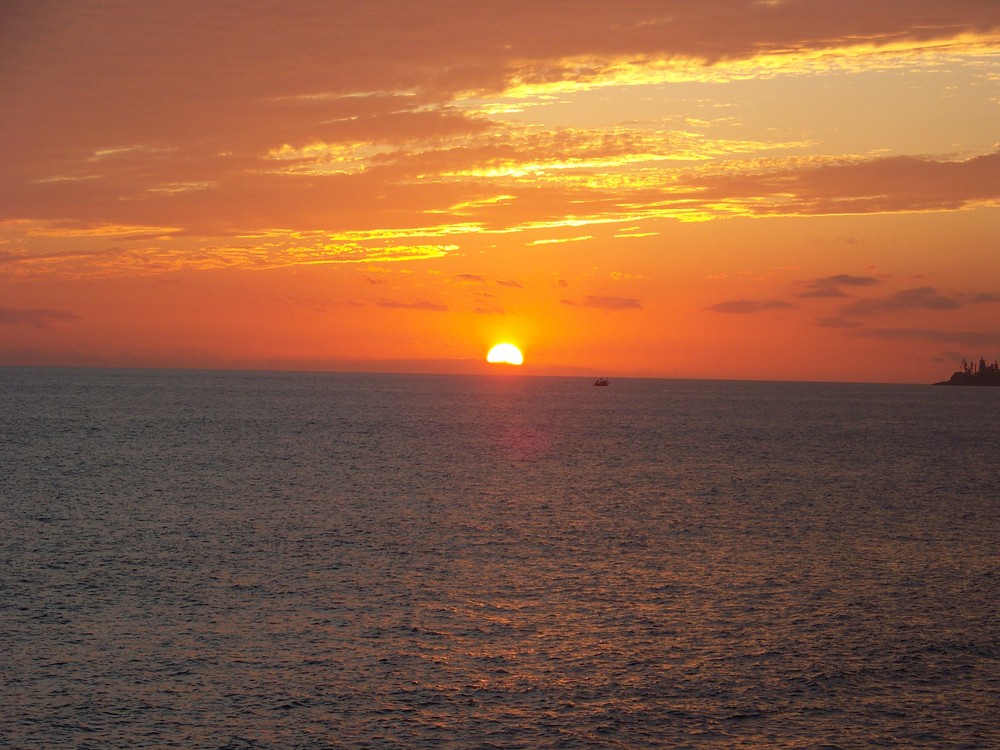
(601, 381)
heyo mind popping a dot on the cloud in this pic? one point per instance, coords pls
(746, 306)
(561, 240)
(829, 286)
(837, 323)
(924, 297)
(329, 63)
(420, 305)
(982, 298)
(266, 250)
(635, 235)
(510, 283)
(66, 229)
(255, 203)
(35, 317)
(880, 185)
(821, 291)
(609, 304)
(368, 117)
(493, 310)
(844, 279)
(471, 278)
(970, 338)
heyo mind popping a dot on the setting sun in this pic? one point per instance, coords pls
(507, 354)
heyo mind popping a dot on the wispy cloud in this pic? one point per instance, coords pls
(403, 137)
(561, 240)
(35, 317)
(981, 298)
(829, 286)
(844, 279)
(419, 305)
(924, 297)
(970, 338)
(267, 250)
(824, 291)
(748, 306)
(609, 304)
(836, 322)
(64, 230)
(864, 186)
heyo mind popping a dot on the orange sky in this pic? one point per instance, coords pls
(764, 189)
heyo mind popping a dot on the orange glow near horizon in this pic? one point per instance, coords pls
(817, 200)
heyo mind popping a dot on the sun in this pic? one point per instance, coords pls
(506, 354)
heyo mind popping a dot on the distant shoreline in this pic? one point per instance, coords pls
(974, 383)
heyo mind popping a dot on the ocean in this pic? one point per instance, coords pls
(237, 560)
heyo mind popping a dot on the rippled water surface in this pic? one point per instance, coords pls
(251, 560)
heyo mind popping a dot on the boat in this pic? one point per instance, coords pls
(601, 381)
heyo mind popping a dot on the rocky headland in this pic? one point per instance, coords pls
(972, 374)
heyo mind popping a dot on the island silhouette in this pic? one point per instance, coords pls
(971, 374)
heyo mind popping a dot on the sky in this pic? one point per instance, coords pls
(738, 189)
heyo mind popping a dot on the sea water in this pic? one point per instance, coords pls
(237, 560)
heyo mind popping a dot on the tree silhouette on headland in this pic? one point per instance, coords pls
(971, 374)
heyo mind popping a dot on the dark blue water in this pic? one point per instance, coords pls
(253, 560)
